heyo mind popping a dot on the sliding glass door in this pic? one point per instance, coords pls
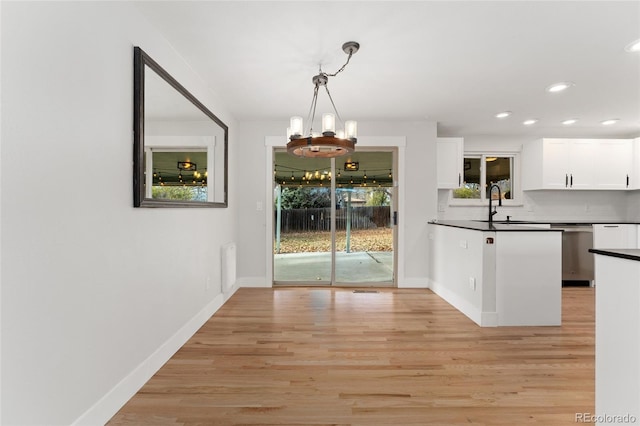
(333, 219)
(302, 210)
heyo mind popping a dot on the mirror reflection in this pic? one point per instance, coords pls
(181, 147)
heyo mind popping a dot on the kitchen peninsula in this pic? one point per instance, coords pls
(498, 274)
(618, 334)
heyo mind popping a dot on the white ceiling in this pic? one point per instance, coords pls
(457, 63)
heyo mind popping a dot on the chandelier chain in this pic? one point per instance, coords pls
(341, 68)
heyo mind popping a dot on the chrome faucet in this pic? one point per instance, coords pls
(492, 212)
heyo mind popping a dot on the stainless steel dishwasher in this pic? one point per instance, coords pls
(577, 262)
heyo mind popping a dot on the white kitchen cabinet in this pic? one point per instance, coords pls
(635, 179)
(611, 164)
(615, 236)
(450, 157)
(559, 164)
(614, 163)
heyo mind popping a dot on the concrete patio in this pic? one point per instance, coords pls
(351, 268)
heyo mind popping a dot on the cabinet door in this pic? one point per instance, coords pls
(582, 158)
(450, 157)
(635, 180)
(614, 163)
(555, 164)
(615, 236)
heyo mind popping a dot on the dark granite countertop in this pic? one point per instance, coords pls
(631, 254)
(496, 226)
(569, 222)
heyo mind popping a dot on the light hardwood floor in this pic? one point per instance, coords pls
(397, 357)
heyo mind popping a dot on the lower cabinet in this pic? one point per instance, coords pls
(615, 236)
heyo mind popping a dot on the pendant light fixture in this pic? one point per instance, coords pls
(330, 143)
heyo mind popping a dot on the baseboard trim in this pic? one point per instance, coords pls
(117, 397)
(254, 282)
(414, 282)
(263, 282)
(489, 319)
(473, 313)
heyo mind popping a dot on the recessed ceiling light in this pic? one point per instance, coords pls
(503, 114)
(609, 122)
(530, 122)
(570, 121)
(559, 87)
(633, 47)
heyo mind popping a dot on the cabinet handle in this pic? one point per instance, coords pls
(627, 181)
(566, 180)
(611, 226)
(459, 179)
(571, 180)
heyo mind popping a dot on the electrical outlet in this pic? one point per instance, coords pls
(472, 283)
(441, 207)
(463, 244)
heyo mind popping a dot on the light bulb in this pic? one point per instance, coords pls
(328, 124)
(351, 129)
(296, 126)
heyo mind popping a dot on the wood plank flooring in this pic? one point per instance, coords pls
(292, 356)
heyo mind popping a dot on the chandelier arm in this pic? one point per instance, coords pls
(312, 110)
(334, 105)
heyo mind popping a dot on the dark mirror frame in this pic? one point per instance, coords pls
(140, 60)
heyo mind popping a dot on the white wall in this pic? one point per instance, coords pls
(91, 287)
(633, 206)
(420, 199)
(0, 218)
(541, 205)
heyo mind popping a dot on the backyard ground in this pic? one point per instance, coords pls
(378, 239)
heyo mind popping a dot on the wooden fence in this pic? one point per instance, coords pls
(365, 217)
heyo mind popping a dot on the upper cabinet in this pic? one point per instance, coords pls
(577, 164)
(450, 156)
(635, 178)
(614, 168)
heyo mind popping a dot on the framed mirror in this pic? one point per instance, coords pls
(179, 146)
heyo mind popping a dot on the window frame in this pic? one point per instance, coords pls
(516, 188)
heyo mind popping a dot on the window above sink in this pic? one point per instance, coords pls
(480, 171)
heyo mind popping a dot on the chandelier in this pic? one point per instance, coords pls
(329, 143)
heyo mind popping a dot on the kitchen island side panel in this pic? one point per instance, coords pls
(529, 278)
(456, 268)
(617, 339)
